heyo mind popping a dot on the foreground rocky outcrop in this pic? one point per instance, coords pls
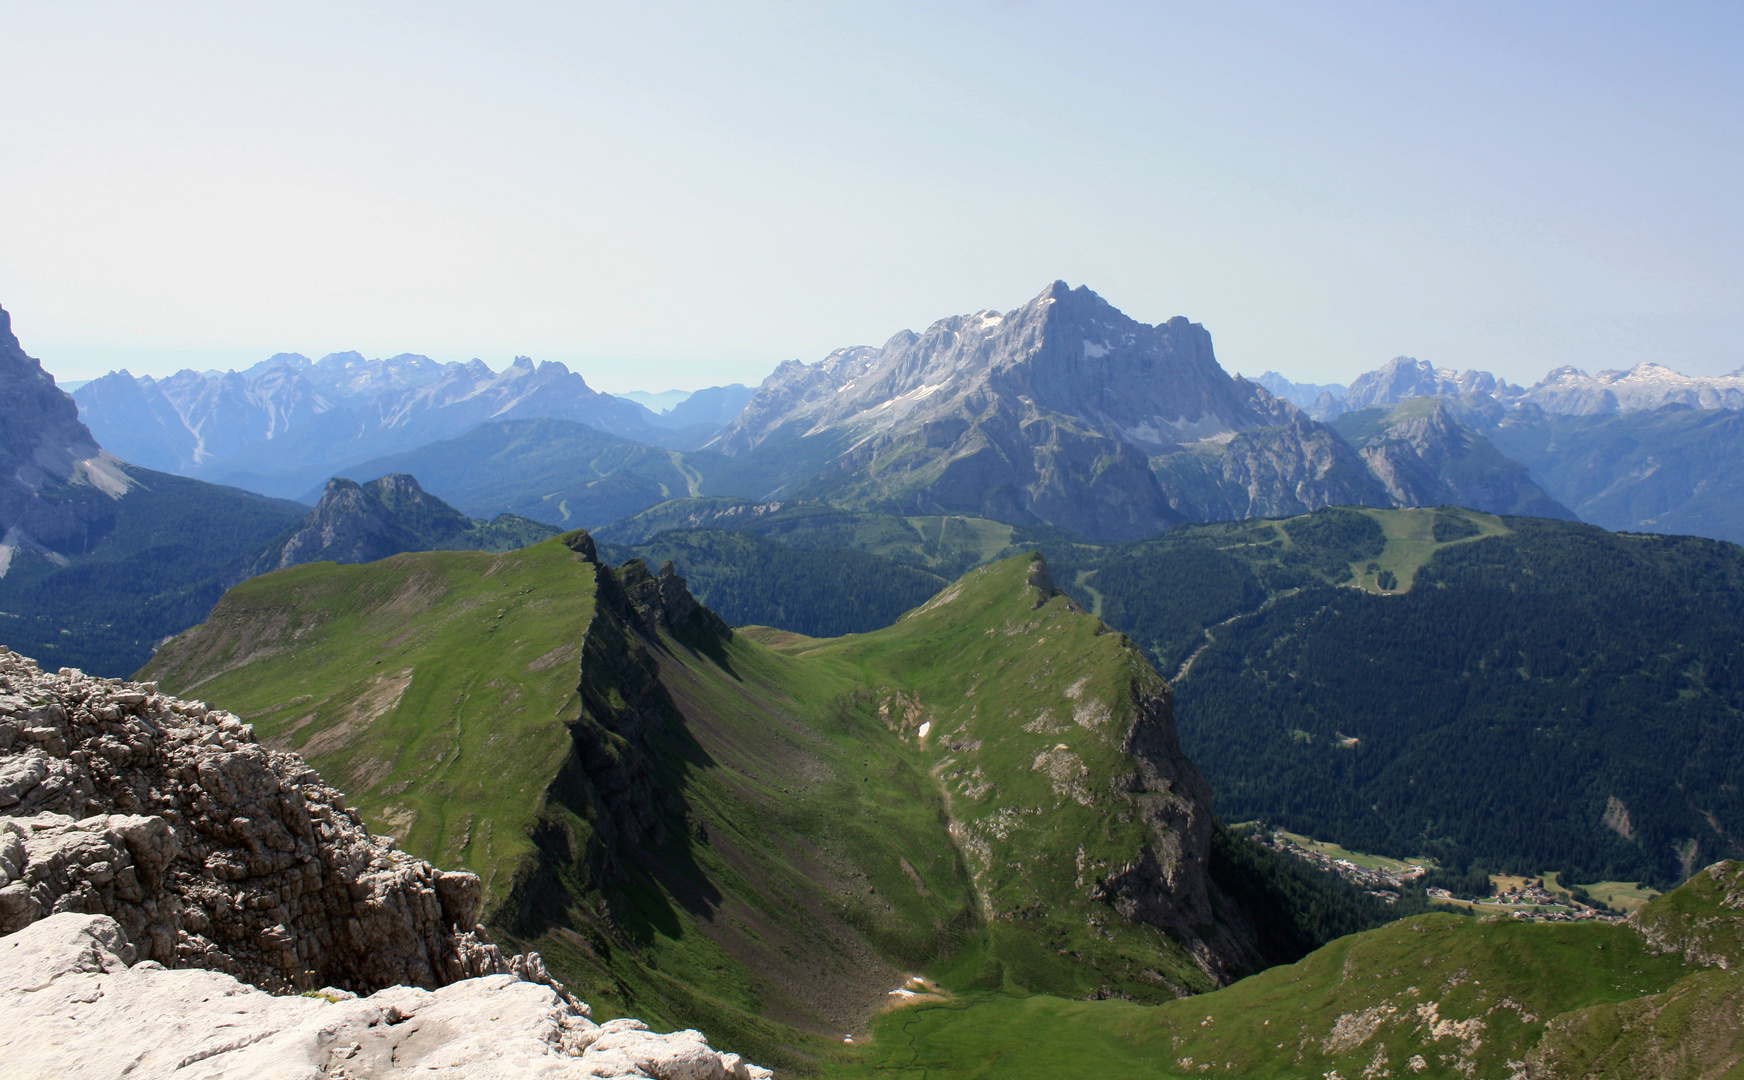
(141, 834)
(208, 849)
(77, 1003)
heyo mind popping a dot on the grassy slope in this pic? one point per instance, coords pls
(429, 687)
(813, 865)
(1381, 995)
(1469, 997)
(1027, 706)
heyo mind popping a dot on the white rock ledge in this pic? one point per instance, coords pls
(73, 1005)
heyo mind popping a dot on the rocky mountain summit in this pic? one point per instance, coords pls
(364, 522)
(144, 834)
(1067, 352)
(1064, 411)
(210, 850)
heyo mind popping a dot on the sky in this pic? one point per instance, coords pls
(685, 195)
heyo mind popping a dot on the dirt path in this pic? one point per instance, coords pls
(1211, 638)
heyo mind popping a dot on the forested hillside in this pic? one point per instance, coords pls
(1495, 693)
(154, 567)
(750, 579)
(1512, 693)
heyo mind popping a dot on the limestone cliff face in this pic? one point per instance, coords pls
(1281, 471)
(56, 485)
(626, 727)
(1423, 456)
(1042, 414)
(1167, 883)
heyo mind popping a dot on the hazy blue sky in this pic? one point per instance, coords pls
(684, 195)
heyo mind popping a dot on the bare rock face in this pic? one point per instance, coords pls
(110, 863)
(78, 1003)
(210, 850)
(56, 487)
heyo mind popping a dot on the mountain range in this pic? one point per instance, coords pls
(1564, 390)
(1646, 449)
(1062, 412)
(288, 423)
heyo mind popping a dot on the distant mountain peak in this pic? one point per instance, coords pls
(355, 523)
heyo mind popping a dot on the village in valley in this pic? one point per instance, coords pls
(1536, 899)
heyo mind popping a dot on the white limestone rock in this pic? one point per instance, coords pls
(76, 1006)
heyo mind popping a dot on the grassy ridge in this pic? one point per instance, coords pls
(1436, 996)
(837, 815)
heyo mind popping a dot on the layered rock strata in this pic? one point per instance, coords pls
(78, 1003)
